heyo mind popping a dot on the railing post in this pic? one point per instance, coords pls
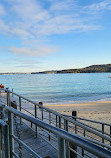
(12, 92)
(41, 103)
(8, 104)
(67, 143)
(6, 142)
(110, 135)
(49, 123)
(82, 148)
(20, 108)
(61, 148)
(74, 147)
(59, 122)
(36, 117)
(2, 112)
(11, 141)
(56, 120)
(4, 134)
(102, 132)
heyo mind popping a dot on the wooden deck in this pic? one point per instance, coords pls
(28, 136)
(37, 144)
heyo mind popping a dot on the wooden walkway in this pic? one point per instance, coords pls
(28, 136)
(38, 145)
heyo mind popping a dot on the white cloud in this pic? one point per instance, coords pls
(33, 20)
(42, 51)
(29, 19)
(2, 10)
(104, 5)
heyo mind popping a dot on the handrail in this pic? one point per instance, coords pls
(4, 139)
(72, 138)
(64, 117)
(52, 111)
(93, 121)
(2, 123)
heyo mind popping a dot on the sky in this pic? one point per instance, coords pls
(40, 35)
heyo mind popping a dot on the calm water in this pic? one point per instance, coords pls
(60, 88)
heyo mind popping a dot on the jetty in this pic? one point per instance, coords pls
(31, 130)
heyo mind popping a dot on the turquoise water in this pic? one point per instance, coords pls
(60, 88)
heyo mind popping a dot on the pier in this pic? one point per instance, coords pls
(29, 129)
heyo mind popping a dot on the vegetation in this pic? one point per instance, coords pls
(89, 69)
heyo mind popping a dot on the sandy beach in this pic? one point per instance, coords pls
(98, 110)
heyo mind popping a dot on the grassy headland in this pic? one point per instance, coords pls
(89, 69)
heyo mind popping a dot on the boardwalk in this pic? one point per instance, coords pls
(28, 136)
(47, 144)
(37, 144)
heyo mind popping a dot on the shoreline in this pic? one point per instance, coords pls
(79, 103)
(96, 110)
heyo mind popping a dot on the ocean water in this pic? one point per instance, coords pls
(60, 88)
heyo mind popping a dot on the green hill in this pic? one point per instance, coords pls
(89, 69)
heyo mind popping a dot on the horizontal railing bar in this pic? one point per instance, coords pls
(87, 155)
(98, 143)
(87, 120)
(47, 109)
(75, 152)
(93, 128)
(2, 123)
(15, 155)
(72, 138)
(27, 111)
(26, 147)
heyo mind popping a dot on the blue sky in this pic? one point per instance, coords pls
(39, 35)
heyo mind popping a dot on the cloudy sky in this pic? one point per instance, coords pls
(38, 35)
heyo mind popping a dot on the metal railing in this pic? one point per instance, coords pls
(100, 126)
(65, 139)
(99, 137)
(4, 145)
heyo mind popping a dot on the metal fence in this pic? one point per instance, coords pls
(4, 144)
(55, 119)
(65, 139)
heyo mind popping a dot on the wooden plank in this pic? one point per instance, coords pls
(37, 144)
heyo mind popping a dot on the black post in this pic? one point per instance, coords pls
(74, 113)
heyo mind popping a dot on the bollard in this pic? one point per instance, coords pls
(74, 113)
(14, 104)
(41, 103)
(74, 147)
